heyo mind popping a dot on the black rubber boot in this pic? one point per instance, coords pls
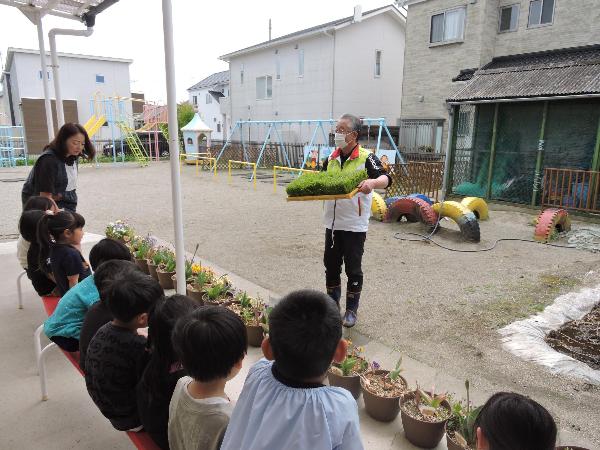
(335, 293)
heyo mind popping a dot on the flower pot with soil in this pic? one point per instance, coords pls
(199, 281)
(166, 270)
(347, 373)
(219, 293)
(141, 250)
(254, 314)
(424, 416)
(460, 427)
(382, 391)
(120, 230)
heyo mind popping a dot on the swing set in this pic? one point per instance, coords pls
(275, 131)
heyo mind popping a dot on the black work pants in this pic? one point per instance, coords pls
(345, 247)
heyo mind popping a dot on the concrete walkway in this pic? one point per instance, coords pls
(69, 419)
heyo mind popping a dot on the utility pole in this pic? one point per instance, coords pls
(269, 29)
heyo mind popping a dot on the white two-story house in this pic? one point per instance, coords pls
(208, 96)
(351, 65)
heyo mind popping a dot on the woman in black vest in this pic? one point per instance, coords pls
(54, 174)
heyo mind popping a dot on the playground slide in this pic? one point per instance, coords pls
(378, 207)
(414, 209)
(464, 217)
(93, 125)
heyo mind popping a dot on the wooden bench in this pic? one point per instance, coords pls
(141, 440)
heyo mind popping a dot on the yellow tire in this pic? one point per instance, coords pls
(478, 206)
(378, 207)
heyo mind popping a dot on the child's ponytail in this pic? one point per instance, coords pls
(44, 240)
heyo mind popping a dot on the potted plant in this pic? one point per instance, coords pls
(424, 415)
(166, 269)
(199, 281)
(153, 259)
(219, 293)
(570, 447)
(347, 373)
(460, 427)
(120, 231)
(382, 390)
(142, 247)
(254, 314)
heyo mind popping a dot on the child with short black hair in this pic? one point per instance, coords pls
(99, 315)
(116, 356)
(41, 276)
(211, 343)
(511, 421)
(36, 203)
(59, 236)
(163, 370)
(305, 336)
(63, 327)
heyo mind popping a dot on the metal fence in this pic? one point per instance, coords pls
(416, 177)
(577, 190)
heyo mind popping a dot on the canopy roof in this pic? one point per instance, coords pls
(81, 10)
(196, 124)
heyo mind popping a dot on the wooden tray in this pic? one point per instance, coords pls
(307, 198)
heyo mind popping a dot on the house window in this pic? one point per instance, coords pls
(301, 62)
(541, 12)
(377, 63)
(277, 68)
(264, 87)
(448, 26)
(242, 74)
(509, 18)
(208, 98)
(40, 74)
(99, 78)
(195, 100)
(219, 127)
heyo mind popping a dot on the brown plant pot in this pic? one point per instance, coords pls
(351, 382)
(224, 301)
(450, 442)
(194, 294)
(418, 432)
(152, 269)
(165, 279)
(384, 409)
(142, 264)
(255, 335)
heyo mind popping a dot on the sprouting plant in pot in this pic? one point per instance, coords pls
(142, 248)
(264, 320)
(382, 393)
(120, 230)
(217, 292)
(461, 425)
(431, 406)
(189, 265)
(168, 262)
(158, 256)
(353, 364)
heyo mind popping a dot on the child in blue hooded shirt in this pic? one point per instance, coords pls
(284, 403)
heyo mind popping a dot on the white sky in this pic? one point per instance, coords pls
(204, 30)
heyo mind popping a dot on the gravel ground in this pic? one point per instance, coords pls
(440, 307)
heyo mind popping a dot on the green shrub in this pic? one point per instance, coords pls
(325, 183)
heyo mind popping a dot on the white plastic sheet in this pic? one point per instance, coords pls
(525, 338)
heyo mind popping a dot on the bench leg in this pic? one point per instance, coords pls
(42, 370)
(19, 290)
(37, 343)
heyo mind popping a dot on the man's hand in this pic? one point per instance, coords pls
(366, 186)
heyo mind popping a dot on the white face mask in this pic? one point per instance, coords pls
(340, 140)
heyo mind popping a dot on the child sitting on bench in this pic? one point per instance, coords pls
(117, 356)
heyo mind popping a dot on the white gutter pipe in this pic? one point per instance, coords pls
(60, 112)
(47, 104)
(174, 143)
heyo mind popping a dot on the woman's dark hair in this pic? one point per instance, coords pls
(209, 342)
(28, 224)
(512, 421)
(304, 330)
(106, 273)
(38, 202)
(106, 250)
(130, 294)
(52, 226)
(161, 322)
(59, 144)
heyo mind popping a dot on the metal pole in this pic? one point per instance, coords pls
(267, 138)
(537, 177)
(174, 143)
(47, 103)
(596, 158)
(488, 191)
(449, 139)
(378, 138)
(60, 112)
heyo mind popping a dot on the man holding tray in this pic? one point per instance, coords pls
(347, 221)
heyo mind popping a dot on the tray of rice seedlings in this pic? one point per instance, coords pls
(325, 185)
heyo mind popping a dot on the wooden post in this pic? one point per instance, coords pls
(452, 150)
(488, 192)
(537, 177)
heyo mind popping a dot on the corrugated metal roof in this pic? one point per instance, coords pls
(556, 73)
(212, 80)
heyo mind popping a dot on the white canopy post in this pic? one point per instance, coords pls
(47, 104)
(174, 143)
